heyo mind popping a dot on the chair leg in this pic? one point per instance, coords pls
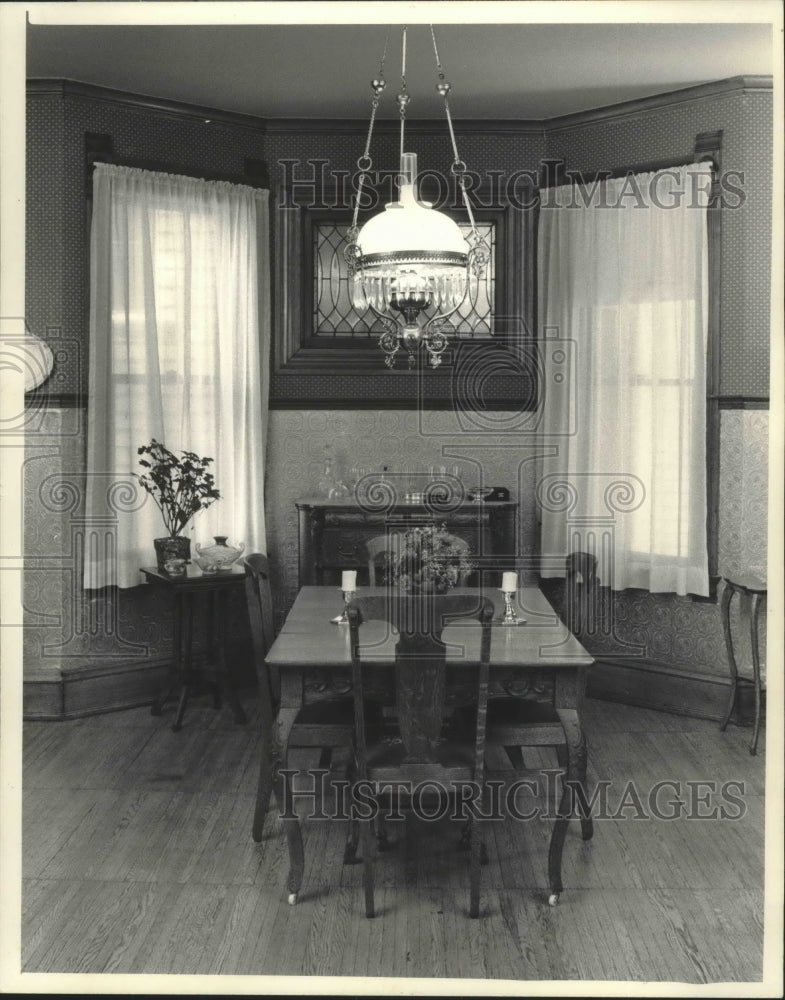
(177, 725)
(264, 789)
(587, 824)
(727, 596)
(754, 613)
(515, 757)
(474, 875)
(368, 859)
(382, 840)
(350, 847)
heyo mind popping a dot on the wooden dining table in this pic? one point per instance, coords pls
(538, 659)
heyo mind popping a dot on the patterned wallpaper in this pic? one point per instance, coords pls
(300, 441)
(744, 492)
(678, 630)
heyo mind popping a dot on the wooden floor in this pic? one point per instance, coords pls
(138, 859)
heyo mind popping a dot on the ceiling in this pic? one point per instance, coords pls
(501, 70)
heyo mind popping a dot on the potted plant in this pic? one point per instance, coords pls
(427, 560)
(180, 487)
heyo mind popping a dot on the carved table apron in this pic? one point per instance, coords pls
(540, 660)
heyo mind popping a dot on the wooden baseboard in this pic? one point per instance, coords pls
(89, 690)
(649, 684)
(79, 689)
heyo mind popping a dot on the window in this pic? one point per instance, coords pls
(178, 327)
(625, 285)
(325, 354)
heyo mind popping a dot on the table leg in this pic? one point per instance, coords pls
(754, 615)
(727, 597)
(264, 784)
(575, 776)
(174, 669)
(219, 633)
(186, 614)
(215, 639)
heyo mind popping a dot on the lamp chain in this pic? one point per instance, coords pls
(364, 163)
(403, 96)
(458, 167)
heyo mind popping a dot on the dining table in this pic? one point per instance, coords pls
(536, 659)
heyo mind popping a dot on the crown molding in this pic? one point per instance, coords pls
(703, 91)
(160, 105)
(390, 126)
(331, 126)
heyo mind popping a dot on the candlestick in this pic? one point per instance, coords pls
(348, 597)
(510, 617)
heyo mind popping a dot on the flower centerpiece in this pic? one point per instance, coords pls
(427, 560)
(180, 486)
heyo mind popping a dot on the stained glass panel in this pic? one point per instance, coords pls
(335, 316)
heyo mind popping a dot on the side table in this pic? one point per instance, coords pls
(213, 589)
(752, 590)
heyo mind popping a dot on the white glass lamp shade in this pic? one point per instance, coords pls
(412, 256)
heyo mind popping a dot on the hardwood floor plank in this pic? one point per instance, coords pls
(42, 917)
(624, 929)
(49, 817)
(228, 856)
(111, 942)
(525, 962)
(141, 860)
(254, 942)
(736, 930)
(121, 837)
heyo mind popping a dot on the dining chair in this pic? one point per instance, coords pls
(421, 747)
(515, 723)
(324, 725)
(381, 544)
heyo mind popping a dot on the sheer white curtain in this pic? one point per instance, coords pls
(623, 313)
(179, 342)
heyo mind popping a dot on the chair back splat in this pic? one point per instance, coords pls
(430, 676)
(322, 726)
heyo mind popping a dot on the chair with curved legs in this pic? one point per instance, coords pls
(423, 750)
(327, 725)
(515, 723)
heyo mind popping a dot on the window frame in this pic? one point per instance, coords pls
(708, 148)
(349, 372)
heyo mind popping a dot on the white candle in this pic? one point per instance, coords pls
(509, 582)
(348, 579)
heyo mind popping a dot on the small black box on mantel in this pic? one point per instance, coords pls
(499, 493)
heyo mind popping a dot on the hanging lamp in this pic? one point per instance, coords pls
(411, 265)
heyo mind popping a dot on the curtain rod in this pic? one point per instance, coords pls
(589, 177)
